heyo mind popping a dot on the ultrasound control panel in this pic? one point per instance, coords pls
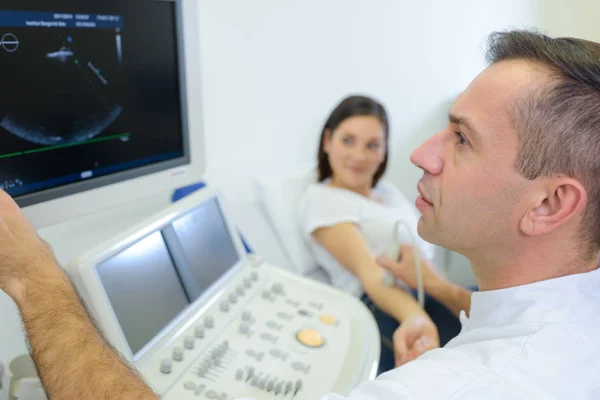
(269, 335)
(257, 331)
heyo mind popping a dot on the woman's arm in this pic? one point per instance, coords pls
(417, 333)
(346, 244)
(451, 295)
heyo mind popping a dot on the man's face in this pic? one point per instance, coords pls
(471, 197)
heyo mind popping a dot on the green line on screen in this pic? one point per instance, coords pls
(60, 146)
(19, 153)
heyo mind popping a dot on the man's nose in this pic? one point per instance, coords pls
(428, 156)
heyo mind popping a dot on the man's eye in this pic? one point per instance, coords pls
(461, 140)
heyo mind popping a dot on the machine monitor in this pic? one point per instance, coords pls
(146, 281)
(144, 289)
(205, 249)
(93, 94)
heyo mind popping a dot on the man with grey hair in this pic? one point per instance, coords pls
(512, 183)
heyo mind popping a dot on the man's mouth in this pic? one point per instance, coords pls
(423, 199)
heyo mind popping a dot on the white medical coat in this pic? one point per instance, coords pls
(536, 341)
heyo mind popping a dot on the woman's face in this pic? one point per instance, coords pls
(356, 150)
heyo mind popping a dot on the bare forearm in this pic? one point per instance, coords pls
(73, 359)
(346, 244)
(452, 296)
(392, 300)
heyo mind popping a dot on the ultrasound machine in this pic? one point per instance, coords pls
(180, 298)
(95, 135)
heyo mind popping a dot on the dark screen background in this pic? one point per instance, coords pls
(67, 97)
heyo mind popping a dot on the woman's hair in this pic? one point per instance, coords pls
(350, 107)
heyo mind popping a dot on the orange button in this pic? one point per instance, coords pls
(310, 338)
(328, 319)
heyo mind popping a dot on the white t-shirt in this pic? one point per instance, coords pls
(536, 341)
(376, 217)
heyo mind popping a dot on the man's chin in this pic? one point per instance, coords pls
(427, 233)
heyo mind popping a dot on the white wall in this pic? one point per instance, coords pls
(577, 18)
(273, 70)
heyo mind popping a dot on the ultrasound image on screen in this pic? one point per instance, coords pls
(144, 289)
(206, 246)
(88, 89)
(77, 92)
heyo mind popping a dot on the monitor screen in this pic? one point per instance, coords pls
(206, 249)
(91, 89)
(144, 289)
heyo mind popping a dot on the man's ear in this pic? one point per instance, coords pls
(559, 201)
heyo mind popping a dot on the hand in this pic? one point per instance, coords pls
(23, 254)
(404, 268)
(414, 336)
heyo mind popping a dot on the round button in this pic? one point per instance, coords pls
(199, 332)
(288, 387)
(239, 374)
(209, 322)
(211, 394)
(304, 313)
(277, 288)
(254, 276)
(262, 382)
(246, 316)
(274, 325)
(177, 354)
(328, 319)
(298, 366)
(225, 306)
(276, 353)
(267, 336)
(244, 328)
(188, 342)
(310, 338)
(232, 298)
(189, 385)
(200, 389)
(166, 366)
(284, 315)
